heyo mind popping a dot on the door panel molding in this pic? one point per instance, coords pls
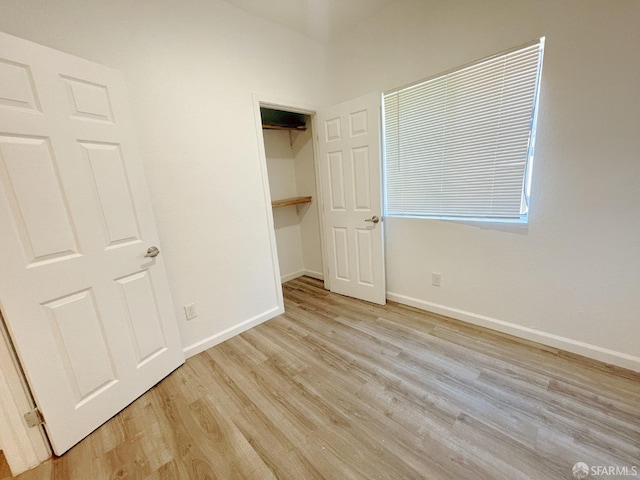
(350, 171)
(76, 216)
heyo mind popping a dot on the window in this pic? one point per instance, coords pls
(460, 145)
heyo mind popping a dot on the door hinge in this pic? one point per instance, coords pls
(33, 418)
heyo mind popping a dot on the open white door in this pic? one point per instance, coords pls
(349, 158)
(91, 317)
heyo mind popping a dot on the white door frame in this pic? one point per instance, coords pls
(261, 100)
(23, 447)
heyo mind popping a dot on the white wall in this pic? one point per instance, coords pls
(572, 277)
(191, 68)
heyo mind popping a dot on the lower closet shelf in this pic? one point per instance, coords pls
(285, 202)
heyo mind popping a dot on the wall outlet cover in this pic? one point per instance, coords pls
(190, 311)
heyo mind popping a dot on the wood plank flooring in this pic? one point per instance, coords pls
(341, 389)
(4, 467)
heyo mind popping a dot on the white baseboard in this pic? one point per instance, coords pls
(301, 273)
(291, 276)
(220, 337)
(587, 350)
(312, 274)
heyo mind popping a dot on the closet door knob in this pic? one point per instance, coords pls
(374, 219)
(152, 252)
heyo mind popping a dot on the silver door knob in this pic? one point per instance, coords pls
(152, 252)
(374, 219)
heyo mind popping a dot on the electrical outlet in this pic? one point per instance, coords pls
(190, 311)
(436, 279)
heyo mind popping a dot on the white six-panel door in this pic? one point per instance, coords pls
(91, 317)
(349, 159)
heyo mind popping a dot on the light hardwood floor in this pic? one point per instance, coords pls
(337, 388)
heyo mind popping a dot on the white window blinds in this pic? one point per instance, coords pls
(460, 145)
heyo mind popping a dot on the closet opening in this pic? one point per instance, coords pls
(290, 152)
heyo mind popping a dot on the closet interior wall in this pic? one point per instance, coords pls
(291, 170)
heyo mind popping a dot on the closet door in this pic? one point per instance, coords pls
(349, 156)
(88, 308)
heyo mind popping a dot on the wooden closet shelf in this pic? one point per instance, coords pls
(278, 127)
(285, 202)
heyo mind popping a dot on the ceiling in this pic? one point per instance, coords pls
(318, 19)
